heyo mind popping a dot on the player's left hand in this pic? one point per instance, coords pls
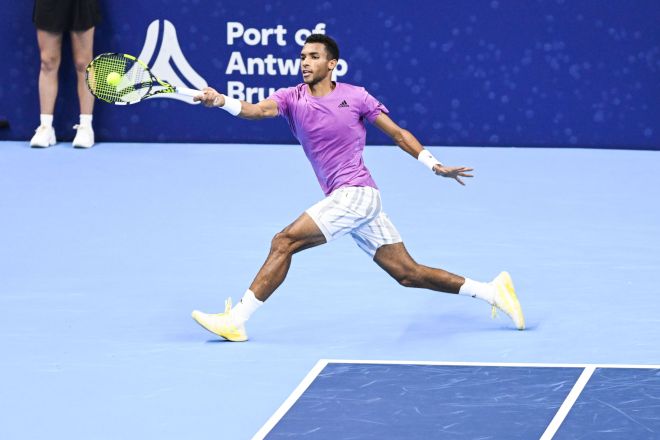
(453, 172)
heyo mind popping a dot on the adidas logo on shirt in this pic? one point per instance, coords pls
(343, 104)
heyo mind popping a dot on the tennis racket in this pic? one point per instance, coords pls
(122, 79)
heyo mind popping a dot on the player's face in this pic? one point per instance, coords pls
(314, 63)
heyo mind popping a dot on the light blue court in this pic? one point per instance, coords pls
(104, 253)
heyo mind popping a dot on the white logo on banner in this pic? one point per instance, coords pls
(161, 67)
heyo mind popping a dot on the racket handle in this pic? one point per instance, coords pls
(188, 92)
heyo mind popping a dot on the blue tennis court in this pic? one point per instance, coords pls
(105, 253)
(393, 400)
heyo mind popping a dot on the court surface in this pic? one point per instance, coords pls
(403, 399)
(104, 253)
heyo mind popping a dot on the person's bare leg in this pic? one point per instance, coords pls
(396, 261)
(50, 52)
(82, 44)
(302, 234)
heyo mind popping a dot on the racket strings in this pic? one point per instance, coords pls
(135, 80)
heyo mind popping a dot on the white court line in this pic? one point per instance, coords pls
(288, 403)
(487, 364)
(565, 407)
(321, 364)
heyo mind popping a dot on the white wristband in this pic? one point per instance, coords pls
(427, 159)
(232, 106)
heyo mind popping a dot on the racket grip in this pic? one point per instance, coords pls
(188, 92)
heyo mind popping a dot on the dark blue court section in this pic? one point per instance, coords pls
(369, 401)
(616, 404)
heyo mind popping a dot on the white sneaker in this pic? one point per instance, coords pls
(43, 137)
(84, 137)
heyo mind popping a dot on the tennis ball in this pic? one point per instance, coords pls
(113, 78)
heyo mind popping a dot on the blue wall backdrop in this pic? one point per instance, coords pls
(551, 73)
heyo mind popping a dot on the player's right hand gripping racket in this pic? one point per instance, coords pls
(122, 79)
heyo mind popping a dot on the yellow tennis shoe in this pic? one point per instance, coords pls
(506, 299)
(221, 324)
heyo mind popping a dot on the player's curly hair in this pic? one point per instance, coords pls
(331, 47)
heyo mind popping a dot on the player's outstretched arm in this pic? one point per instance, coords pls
(409, 143)
(212, 98)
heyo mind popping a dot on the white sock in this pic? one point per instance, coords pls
(46, 120)
(85, 120)
(475, 289)
(244, 309)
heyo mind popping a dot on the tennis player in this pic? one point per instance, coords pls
(328, 119)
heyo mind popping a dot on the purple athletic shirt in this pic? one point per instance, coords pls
(331, 131)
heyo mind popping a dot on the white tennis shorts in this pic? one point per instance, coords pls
(356, 210)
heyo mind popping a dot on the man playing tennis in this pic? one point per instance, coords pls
(328, 118)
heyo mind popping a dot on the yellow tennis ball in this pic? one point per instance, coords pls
(113, 78)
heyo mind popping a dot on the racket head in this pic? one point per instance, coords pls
(135, 84)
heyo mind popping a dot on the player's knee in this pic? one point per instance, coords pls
(282, 243)
(409, 277)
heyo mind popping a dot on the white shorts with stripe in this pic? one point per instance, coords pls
(356, 210)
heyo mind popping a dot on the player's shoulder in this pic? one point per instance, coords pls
(293, 91)
(353, 91)
(285, 96)
(352, 88)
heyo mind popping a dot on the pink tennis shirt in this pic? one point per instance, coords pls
(331, 130)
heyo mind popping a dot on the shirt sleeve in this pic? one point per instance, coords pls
(282, 97)
(371, 108)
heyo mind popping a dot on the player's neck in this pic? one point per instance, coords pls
(322, 88)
